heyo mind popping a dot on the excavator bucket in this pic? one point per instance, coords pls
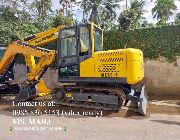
(27, 92)
(42, 88)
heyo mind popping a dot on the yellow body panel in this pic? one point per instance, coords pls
(135, 65)
(122, 63)
(68, 94)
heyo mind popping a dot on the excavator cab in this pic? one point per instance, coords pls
(75, 45)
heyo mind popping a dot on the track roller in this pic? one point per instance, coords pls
(105, 98)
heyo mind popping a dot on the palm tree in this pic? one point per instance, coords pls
(162, 10)
(100, 10)
(130, 18)
(137, 8)
(91, 6)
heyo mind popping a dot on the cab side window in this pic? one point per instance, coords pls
(97, 40)
(84, 40)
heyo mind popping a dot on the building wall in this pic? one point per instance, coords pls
(162, 78)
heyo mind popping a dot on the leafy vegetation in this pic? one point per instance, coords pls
(131, 17)
(59, 19)
(102, 12)
(163, 10)
(177, 20)
(11, 26)
(154, 42)
(22, 18)
(19, 19)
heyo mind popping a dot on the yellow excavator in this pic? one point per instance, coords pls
(97, 79)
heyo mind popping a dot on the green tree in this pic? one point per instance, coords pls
(126, 19)
(59, 19)
(162, 10)
(131, 18)
(146, 24)
(17, 7)
(8, 24)
(137, 7)
(101, 11)
(177, 19)
(42, 10)
(11, 28)
(108, 14)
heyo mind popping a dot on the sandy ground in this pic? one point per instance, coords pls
(161, 123)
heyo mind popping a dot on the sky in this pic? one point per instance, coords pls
(148, 6)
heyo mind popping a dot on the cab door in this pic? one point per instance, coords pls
(68, 53)
(74, 47)
(85, 49)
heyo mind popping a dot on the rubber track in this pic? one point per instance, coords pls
(112, 90)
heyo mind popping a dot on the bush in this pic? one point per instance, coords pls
(155, 42)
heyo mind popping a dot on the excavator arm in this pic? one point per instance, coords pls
(40, 39)
(43, 38)
(46, 57)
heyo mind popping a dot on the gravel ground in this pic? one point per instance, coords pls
(156, 127)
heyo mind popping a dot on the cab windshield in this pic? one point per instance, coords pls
(97, 39)
(68, 42)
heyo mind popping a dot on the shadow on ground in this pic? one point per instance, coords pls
(167, 122)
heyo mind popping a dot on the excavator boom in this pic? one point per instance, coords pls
(43, 38)
(40, 39)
